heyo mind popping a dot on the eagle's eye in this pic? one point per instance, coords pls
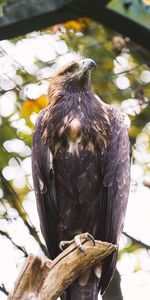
(71, 69)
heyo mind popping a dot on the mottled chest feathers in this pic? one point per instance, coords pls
(87, 128)
(73, 134)
(74, 130)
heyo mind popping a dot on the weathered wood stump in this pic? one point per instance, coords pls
(43, 279)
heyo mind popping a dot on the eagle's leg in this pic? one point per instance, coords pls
(77, 240)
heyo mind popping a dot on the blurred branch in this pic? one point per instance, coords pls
(17, 246)
(144, 245)
(16, 203)
(3, 289)
(146, 182)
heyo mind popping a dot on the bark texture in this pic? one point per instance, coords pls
(43, 279)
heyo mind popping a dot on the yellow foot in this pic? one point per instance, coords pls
(77, 239)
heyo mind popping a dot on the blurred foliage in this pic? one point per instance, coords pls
(3, 2)
(122, 78)
(137, 10)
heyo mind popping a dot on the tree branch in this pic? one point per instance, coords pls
(17, 246)
(11, 194)
(44, 279)
(146, 246)
(3, 289)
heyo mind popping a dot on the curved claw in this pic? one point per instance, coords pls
(64, 244)
(77, 240)
(86, 236)
(90, 237)
(61, 245)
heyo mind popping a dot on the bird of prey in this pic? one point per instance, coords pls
(81, 166)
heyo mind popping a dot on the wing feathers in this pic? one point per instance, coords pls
(44, 185)
(116, 166)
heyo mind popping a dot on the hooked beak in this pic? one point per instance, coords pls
(87, 64)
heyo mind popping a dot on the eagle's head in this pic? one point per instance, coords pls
(71, 77)
(73, 110)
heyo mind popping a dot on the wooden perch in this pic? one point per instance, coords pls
(43, 279)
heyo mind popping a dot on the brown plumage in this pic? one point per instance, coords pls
(81, 165)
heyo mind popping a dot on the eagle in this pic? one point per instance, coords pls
(81, 167)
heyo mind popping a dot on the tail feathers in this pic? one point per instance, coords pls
(108, 269)
(87, 292)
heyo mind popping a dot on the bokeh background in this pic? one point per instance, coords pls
(122, 78)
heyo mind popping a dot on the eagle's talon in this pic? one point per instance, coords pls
(81, 248)
(61, 245)
(85, 236)
(64, 244)
(90, 237)
(77, 239)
